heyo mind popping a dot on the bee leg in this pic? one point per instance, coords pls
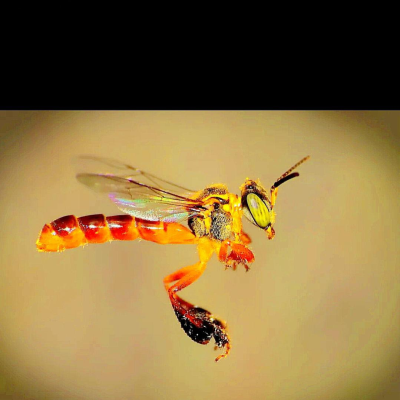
(232, 253)
(199, 324)
(185, 276)
(244, 238)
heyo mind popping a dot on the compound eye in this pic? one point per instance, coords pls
(258, 210)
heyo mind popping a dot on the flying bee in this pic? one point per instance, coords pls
(154, 211)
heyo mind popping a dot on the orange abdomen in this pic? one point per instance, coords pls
(70, 232)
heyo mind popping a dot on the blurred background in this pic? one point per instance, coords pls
(316, 317)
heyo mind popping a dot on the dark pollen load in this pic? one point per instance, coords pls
(209, 327)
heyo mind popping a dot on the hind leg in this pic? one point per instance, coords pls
(199, 324)
(184, 277)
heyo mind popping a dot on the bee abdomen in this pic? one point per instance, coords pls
(69, 232)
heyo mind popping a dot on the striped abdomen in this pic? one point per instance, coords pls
(70, 232)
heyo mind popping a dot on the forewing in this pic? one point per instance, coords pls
(143, 201)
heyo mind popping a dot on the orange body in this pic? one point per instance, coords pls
(69, 232)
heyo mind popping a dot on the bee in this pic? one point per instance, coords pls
(156, 210)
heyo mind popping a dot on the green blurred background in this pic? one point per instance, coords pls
(316, 317)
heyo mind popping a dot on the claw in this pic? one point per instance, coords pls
(227, 350)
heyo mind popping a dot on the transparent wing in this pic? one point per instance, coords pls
(141, 200)
(109, 166)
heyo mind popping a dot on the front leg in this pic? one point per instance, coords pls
(232, 254)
